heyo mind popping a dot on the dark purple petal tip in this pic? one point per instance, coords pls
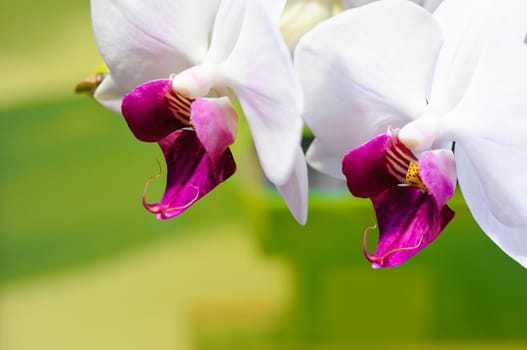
(191, 174)
(409, 219)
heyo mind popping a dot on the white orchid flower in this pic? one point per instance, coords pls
(173, 67)
(451, 89)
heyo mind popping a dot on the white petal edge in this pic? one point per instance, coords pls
(512, 240)
(228, 23)
(430, 5)
(365, 70)
(490, 124)
(109, 94)
(146, 40)
(295, 189)
(324, 160)
(263, 79)
(467, 25)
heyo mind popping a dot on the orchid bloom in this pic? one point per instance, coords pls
(403, 102)
(174, 66)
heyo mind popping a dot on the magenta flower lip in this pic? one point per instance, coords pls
(197, 154)
(409, 195)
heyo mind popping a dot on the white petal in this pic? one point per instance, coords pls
(227, 25)
(490, 128)
(275, 8)
(430, 5)
(145, 40)
(261, 74)
(228, 22)
(490, 124)
(467, 25)
(325, 160)
(364, 70)
(295, 189)
(512, 240)
(109, 94)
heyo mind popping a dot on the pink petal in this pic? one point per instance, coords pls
(438, 172)
(215, 122)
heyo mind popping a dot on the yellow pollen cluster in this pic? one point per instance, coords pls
(413, 178)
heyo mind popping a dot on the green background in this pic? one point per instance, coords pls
(84, 266)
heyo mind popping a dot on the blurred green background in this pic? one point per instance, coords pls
(84, 266)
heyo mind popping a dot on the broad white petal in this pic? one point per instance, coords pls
(467, 25)
(512, 240)
(263, 79)
(295, 189)
(146, 40)
(109, 94)
(365, 70)
(490, 126)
